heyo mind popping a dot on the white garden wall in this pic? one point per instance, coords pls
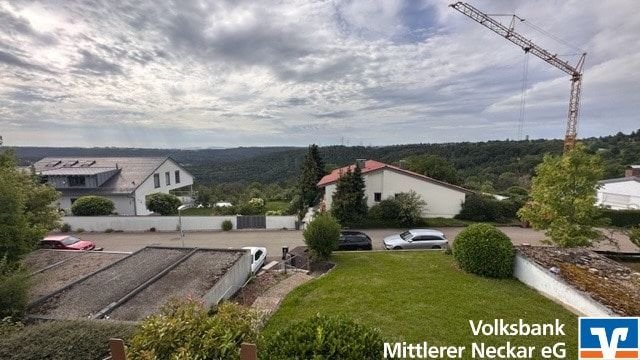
(166, 223)
(556, 289)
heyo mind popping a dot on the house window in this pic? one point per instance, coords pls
(156, 180)
(177, 176)
(377, 197)
(76, 181)
(167, 178)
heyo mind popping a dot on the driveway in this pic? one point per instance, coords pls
(275, 240)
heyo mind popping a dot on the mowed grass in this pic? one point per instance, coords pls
(277, 206)
(422, 296)
(198, 212)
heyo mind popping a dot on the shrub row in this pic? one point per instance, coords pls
(488, 209)
(622, 218)
(63, 340)
(322, 337)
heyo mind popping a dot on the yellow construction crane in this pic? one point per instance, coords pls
(529, 47)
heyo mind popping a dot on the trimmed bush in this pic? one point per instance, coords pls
(92, 206)
(322, 235)
(322, 337)
(163, 204)
(185, 330)
(63, 340)
(622, 218)
(484, 250)
(227, 225)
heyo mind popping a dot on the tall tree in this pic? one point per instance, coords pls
(26, 210)
(349, 204)
(312, 172)
(433, 166)
(563, 197)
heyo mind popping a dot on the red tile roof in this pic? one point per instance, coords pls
(372, 165)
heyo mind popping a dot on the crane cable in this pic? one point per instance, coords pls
(523, 98)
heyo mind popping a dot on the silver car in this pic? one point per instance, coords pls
(417, 239)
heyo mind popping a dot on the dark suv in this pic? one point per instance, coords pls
(354, 240)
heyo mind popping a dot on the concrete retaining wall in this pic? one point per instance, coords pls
(556, 289)
(166, 223)
(230, 282)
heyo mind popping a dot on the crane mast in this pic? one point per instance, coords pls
(530, 47)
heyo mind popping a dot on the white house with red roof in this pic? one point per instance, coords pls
(384, 181)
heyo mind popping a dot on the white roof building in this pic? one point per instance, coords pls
(621, 193)
(126, 181)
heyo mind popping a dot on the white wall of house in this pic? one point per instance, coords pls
(148, 186)
(441, 200)
(620, 195)
(123, 203)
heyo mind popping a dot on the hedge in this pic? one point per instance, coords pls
(622, 218)
(488, 209)
(323, 337)
(63, 340)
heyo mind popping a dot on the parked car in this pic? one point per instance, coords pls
(66, 242)
(417, 239)
(354, 240)
(258, 256)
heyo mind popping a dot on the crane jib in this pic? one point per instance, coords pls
(530, 47)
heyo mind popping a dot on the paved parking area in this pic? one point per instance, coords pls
(275, 240)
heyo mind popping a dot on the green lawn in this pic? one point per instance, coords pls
(198, 212)
(277, 205)
(422, 296)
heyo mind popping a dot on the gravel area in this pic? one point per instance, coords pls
(40, 259)
(610, 283)
(258, 286)
(93, 294)
(194, 277)
(52, 279)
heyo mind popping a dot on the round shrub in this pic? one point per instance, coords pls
(322, 235)
(484, 250)
(322, 337)
(227, 225)
(163, 204)
(92, 206)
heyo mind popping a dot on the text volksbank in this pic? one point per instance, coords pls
(480, 350)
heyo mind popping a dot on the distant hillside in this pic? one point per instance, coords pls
(479, 161)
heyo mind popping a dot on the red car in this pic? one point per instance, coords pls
(66, 242)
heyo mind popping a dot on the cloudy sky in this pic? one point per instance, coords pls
(159, 73)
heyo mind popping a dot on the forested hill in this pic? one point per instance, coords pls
(479, 161)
